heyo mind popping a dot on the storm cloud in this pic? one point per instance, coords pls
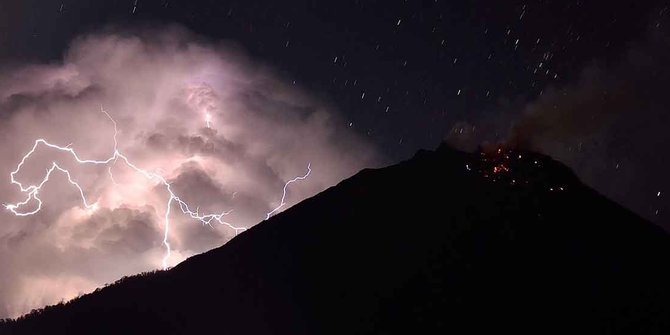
(225, 131)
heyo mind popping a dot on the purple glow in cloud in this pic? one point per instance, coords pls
(223, 132)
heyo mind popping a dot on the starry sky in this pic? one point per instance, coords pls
(583, 81)
(405, 73)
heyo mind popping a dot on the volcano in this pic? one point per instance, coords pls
(446, 241)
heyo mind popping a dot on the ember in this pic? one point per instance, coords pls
(500, 168)
(513, 168)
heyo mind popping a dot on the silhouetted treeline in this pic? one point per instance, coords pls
(62, 304)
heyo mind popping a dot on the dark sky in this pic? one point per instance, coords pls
(584, 79)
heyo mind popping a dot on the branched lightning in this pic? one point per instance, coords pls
(283, 197)
(32, 191)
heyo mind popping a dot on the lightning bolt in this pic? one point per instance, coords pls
(283, 197)
(32, 191)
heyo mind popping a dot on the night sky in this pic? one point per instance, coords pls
(583, 81)
(395, 68)
(403, 73)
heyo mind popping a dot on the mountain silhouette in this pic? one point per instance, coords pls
(491, 241)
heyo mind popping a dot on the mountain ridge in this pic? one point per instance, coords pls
(509, 240)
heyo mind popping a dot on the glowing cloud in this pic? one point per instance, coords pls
(195, 127)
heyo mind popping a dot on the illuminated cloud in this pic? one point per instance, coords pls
(225, 132)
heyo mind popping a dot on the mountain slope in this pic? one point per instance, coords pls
(445, 241)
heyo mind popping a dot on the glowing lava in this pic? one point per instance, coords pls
(511, 167)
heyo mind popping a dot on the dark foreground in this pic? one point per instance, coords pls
(446, 241)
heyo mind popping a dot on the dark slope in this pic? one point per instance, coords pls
(424, 246)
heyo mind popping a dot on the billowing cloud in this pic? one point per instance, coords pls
(227, 134)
